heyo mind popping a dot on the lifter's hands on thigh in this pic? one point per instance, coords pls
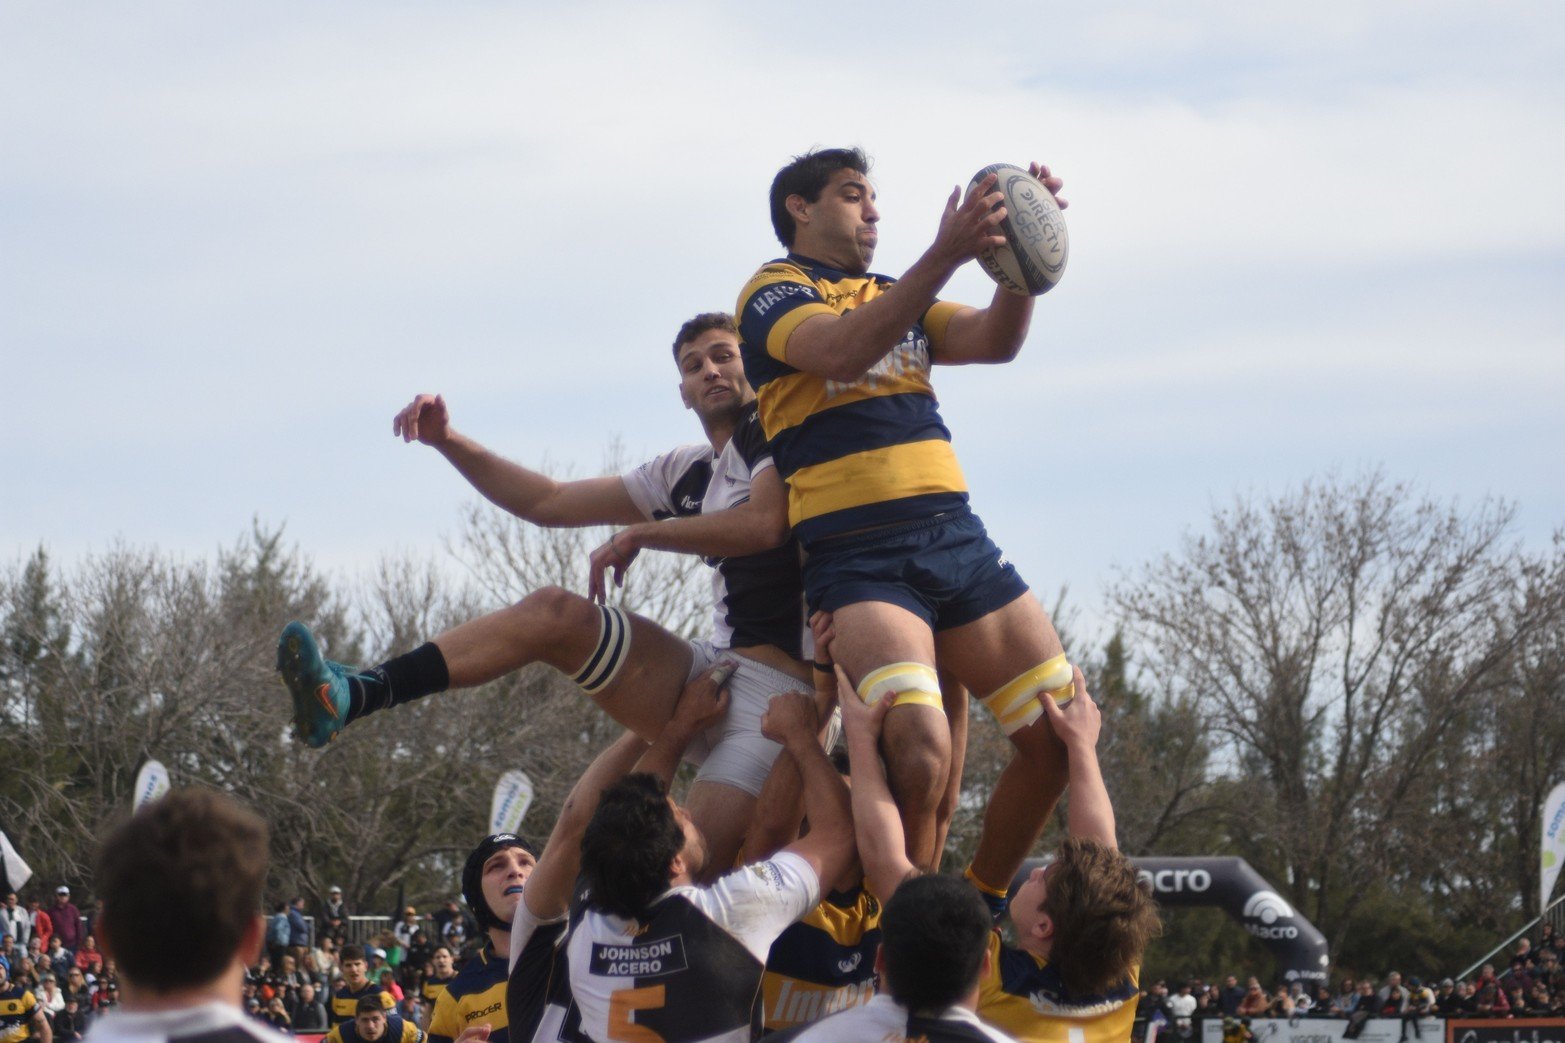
(791, 717)
(825, 678)
(858, 717)
(1079, 723)
(704, 700)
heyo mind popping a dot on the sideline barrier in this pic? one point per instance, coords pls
(1331, 1030)
(1505, 1030)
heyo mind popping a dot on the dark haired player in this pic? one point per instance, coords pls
(1081, 923)
(538, 997)
(198, 852)
(650, 952)
(840, 359)
(371, 1024)
(492, 881)
(721, 499)
(443, 972)
(343, 1003)
(935, 953)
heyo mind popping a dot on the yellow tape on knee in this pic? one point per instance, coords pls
(910, 684)
(1016, 705)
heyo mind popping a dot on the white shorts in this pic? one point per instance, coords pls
(734, 751)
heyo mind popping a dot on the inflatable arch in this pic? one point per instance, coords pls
(1233, 886)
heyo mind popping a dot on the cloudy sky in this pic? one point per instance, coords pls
(238, 237)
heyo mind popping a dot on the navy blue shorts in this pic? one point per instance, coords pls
(945, 570)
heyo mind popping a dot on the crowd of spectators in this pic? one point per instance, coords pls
(291, 987)
(1532, 985)
(52, 951)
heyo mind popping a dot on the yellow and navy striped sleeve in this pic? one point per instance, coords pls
(774, 303)
(936, 321)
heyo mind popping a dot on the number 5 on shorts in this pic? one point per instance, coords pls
(623, 1004)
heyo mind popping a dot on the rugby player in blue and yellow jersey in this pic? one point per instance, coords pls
(840, 359)
(343, 1003)
(371, 1024)
(492, 881)
(1082, 922)
(21, 1015)
(443, 972)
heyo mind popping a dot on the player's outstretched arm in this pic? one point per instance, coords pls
(548, 891)
(528, 495)
(844, 347)
(758, 524)
(791, 720)
(1078, 725)
(877, 824)
(995, 333)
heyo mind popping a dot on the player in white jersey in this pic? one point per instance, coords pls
(537, 970)
(198, 852)
(721, 499)
(647, 950)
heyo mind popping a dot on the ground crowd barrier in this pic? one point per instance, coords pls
(1505, 1030)
(1332, 1030)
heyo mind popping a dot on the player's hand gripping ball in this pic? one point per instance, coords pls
(1037, 245)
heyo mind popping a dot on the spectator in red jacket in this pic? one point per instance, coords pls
(43, 926)
(89, 959)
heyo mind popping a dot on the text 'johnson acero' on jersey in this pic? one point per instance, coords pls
(857, 454)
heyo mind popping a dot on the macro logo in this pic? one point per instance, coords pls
(1265, 916)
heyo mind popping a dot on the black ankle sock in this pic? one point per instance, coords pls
(411, 676)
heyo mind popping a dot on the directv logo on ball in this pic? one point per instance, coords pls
(1269, 907)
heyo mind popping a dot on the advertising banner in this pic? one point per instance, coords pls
(1553, 854)
(151, 783)
(513, 794)
(1505, 1030)
(17, 871)
(1326, 1030)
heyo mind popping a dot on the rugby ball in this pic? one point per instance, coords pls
(1036, 243)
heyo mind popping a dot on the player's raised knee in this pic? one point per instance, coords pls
(557, 603)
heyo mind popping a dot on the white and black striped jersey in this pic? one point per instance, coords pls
(884, 1020)
(536, 979)
(757, 599)
(690, 972)
(213, 1022)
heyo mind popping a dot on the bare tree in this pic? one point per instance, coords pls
(1334, 641)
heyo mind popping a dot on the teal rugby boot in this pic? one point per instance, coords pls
(319, 687)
